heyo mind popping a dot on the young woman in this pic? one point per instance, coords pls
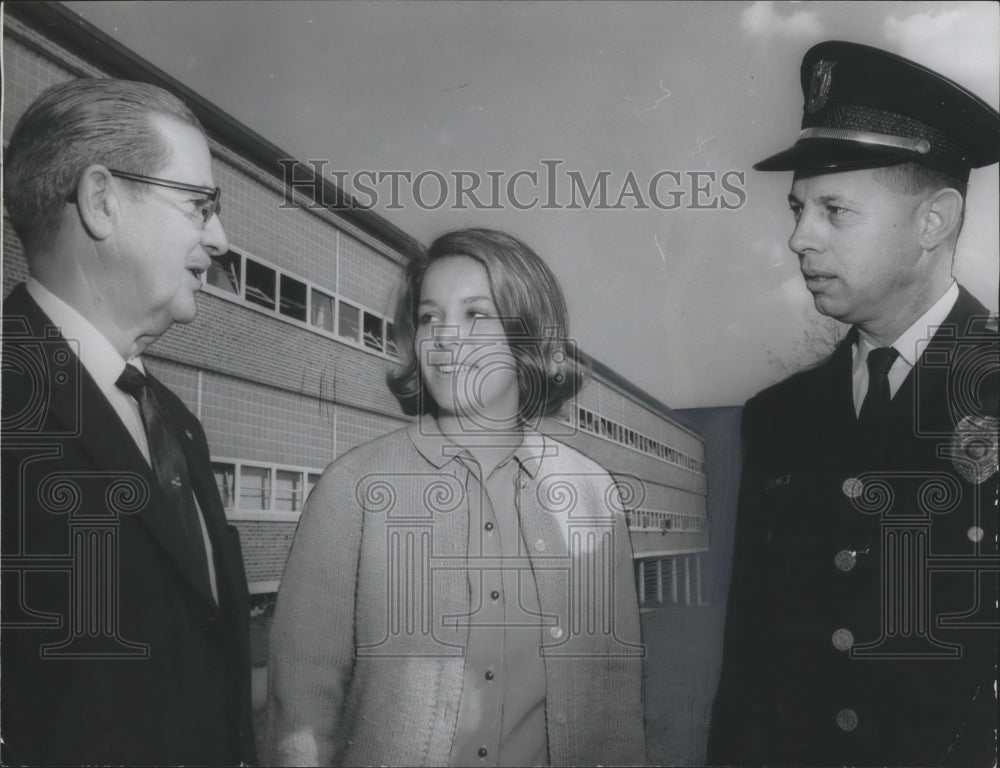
(460, 592)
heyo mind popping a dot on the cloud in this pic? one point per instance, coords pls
(762, 20)
(961, 43)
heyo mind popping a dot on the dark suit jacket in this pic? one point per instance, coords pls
(113, 648)
(861, 626)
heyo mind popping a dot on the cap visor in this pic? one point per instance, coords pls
(819, 155)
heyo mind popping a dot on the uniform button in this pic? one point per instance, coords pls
(847, 720)
(556, 632)
(852, 487)
(843, 639)
(975, 533)
(495, 595)
(540, 545)
(489, 674)
(482, 752)
(845, 560)
(522, 481)
(488, 526)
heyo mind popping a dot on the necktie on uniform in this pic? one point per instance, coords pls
(876, 402)
(167, 456)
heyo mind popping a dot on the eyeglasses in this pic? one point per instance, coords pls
(208, 207)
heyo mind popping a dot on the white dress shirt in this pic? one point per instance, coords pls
(910, 345)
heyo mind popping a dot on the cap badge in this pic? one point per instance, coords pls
(819, 86)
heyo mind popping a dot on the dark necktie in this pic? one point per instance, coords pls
(876, 402)
(167, 456)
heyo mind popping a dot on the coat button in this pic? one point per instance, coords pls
(522, 481)
(975, 533)
(482, 752)
(556, 632)
(852, 487)
(488, 526)
(843, 639)
(540, 546)
(494, 595)
(489, 674)
(847, 720)
(845, 560)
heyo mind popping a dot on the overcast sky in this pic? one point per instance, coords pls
(698, 307)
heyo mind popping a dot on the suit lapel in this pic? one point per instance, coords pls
(837, 393)
(227, 569)
(935, 371)
(78, 408)
(164, 523)
(926, 386)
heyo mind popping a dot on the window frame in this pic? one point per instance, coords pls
(243, 260)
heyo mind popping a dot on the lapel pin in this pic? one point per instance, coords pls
(777, 482)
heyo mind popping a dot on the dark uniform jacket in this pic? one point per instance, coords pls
(113, 648)
(862, 626)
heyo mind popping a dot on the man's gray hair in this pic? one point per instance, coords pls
(73, 125)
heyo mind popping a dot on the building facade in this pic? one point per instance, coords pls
(285, 363)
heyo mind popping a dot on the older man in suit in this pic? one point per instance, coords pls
(125, 605)
(862, 622)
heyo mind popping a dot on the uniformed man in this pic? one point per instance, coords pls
(862, 618)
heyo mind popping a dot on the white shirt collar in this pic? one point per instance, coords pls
(914, 340)
(96, 353)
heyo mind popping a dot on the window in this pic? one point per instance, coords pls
(311, 479)
(322, 310)
(288, 491)
(260, 284)
(390, 339)
(348, 322)
(225, 271)
(373, 332)
(651, 582)
(246, 278)
(225, 479)
(293, 298)
(255, 487)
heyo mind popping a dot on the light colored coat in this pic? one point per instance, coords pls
(367, 647)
